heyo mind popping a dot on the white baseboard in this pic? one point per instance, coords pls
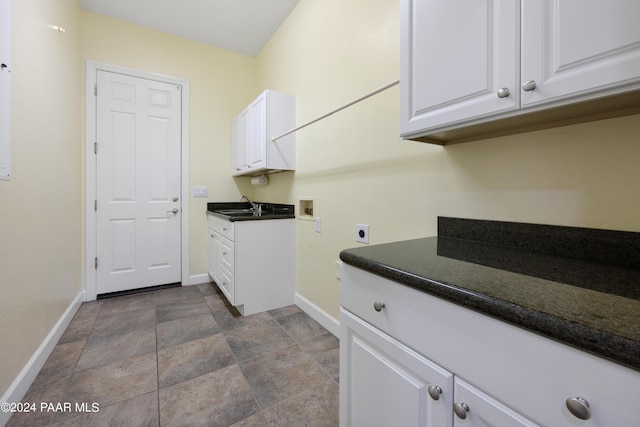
(317, 314)
(198, 279)
(23, 381)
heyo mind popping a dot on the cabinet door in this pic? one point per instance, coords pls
(240, 147)
(455, 56)
(213, 251)
(258, 133)
(481, 410)
(385, 383)
(580, 48)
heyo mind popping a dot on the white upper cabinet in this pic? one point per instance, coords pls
(456, 56)
(476, 69)
(577, 48)
(269, 115)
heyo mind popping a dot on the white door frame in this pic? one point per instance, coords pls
(92, 68)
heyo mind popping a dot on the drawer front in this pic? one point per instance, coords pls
(529, 373)
(221, 226)
(227, 254)
(227, 285)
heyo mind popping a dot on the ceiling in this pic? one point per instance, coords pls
(242, 26)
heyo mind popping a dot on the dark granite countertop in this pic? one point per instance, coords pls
(268, 211)
(554, 281)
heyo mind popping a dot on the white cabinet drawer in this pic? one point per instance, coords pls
(481, 409)
(532, 374)
(227, 255)
(221, 226)
(227, 285)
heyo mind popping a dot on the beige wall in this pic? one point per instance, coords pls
(40, 208)
(358, 170)
(221, 84)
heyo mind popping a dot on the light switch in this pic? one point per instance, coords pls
(318, 224)
(200, 191)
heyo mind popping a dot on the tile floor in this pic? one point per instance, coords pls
(184, 356)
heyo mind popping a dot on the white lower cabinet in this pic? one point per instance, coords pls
(252, 262)
(408, 358)
(385, 383)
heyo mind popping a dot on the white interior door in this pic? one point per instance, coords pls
(138, 182)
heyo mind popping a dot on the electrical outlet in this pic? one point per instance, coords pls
(362, 233)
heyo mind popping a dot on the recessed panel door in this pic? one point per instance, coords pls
(138, 166)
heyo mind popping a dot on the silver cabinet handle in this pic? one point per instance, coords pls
(461, 410)
(173, 211)
(434, 391)
(378, 306)
(579, 407)
(529, 85)
(503, 92)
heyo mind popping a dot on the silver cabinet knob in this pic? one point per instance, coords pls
(175, 199)
(503, 92)
(461, 410)
(434, 391)
(529, 85)
(579, 407)
(378, 306)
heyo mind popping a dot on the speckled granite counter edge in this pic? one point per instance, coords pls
(603, 344)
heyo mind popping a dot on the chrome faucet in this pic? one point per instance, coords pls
(253, 205)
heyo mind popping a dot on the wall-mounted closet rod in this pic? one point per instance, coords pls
(362, 98)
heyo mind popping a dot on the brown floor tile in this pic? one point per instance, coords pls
(185, 356)
(102, 349)
(284, 311)
(208, 289)
(89, 310)
(62, 360)
(301, 326)
(181, 310)
(184, 294)
(115, 324)
(230, 319)
(192, 359)
(186, 329)
(43, 389)
(255, 339)
(126, 303)
(114, 382)
(281, 374)
(220, 398)
(317, 407)
(256, 420)
(141, 411)
(325, 349)
(78, 329)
